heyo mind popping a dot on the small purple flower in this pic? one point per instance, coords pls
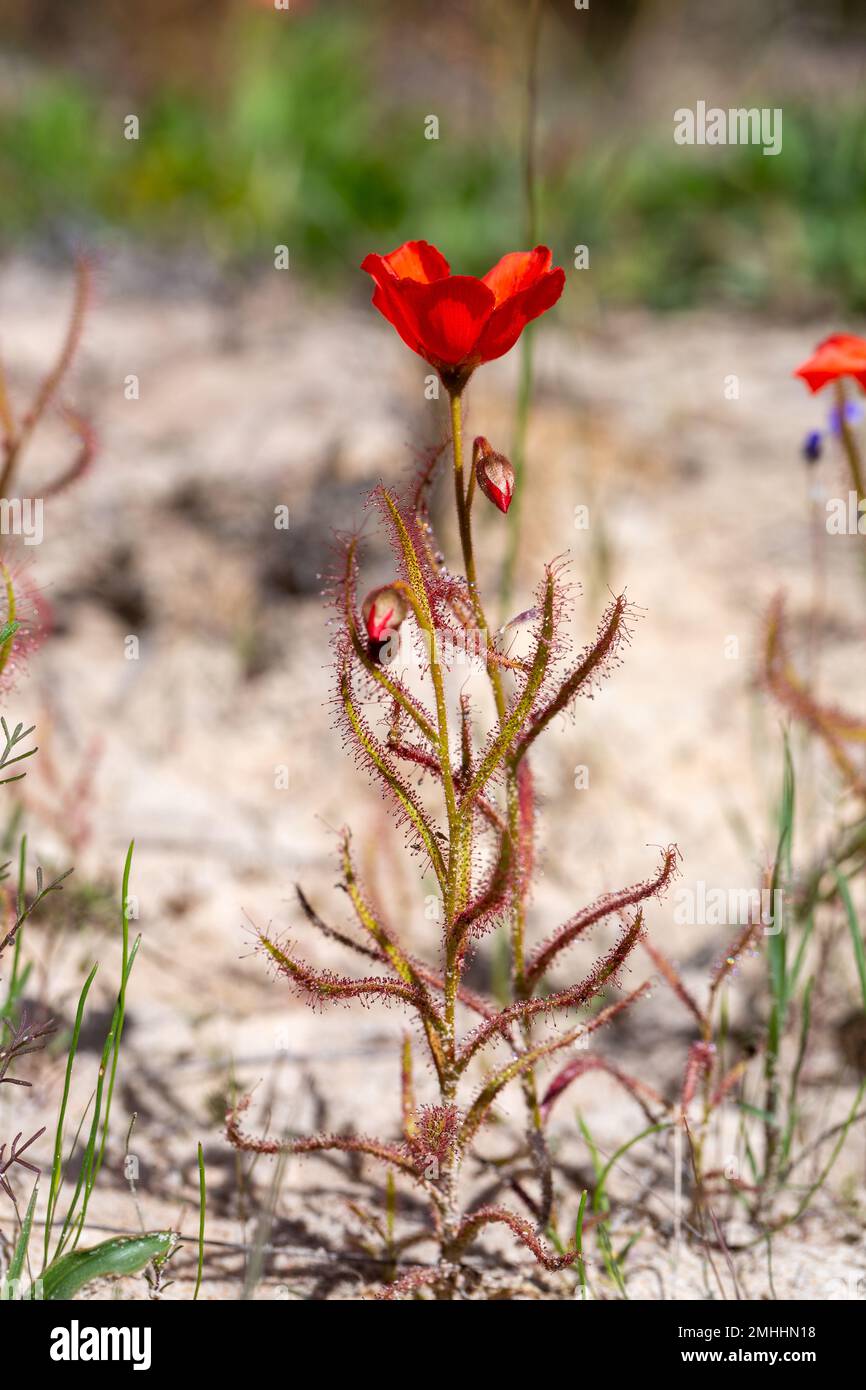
(853, 416)
(813, 444)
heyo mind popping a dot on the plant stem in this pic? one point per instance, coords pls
(524, 390)
(463, 497)
(849, 443)
(518, 458)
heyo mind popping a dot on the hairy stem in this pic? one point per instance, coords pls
(463, 497)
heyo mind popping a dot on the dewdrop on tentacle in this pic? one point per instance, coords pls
(493, 473)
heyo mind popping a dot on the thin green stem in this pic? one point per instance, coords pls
(462, 497)
(524, 390)
(470, 487)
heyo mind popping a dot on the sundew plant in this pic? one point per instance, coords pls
(476, 835)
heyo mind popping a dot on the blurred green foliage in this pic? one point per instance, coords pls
(304, 148)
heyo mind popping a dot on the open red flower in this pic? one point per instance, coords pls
(842, 354)
(456, 322)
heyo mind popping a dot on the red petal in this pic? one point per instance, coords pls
(414, 260)
(500, 499)
(842, 354)
(448, 316)
(387, 299)
(391, 273)
(377, 623)
(508, 321)
(517, 271)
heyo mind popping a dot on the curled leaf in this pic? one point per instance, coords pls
(111, 1258)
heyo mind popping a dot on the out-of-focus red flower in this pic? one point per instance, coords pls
(842, 354)
(457, 322)
(493, 473)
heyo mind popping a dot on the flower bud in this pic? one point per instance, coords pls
(384, 610)
(493, 473)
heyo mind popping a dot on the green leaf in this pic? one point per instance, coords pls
(121, 1255)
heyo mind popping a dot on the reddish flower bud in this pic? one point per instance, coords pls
(493, 473)
(384, 610)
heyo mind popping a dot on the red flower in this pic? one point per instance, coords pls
(843, 354)
(456, 322)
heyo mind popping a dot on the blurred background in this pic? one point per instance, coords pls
(221, 388)
(306, 125)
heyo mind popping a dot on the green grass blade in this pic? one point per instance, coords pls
(780, 989)
(854, 928)
(600, 1194)
(202, 1208)
(15, 976)
(595, 1156)
(19, 1254)
(125, 967)
(824, 1174)
(805, 1024)
(776, 949)
(57, 1165)
(797, 966)
(88, 1172)
(764, 1116)
(578, 1242)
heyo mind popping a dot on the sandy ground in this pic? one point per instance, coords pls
(699, 504)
